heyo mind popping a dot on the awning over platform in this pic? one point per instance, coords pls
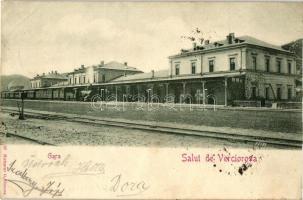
(156, 79)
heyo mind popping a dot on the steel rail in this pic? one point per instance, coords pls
(169, 130)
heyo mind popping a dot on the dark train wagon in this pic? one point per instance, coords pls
(58, 93)
(44, 94)
(30, 94)
(68, 94)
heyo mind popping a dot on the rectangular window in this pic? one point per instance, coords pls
(267, 93)
(289, 67)
(267, 64)
(193, 68)
(254, 63)
(279, 93)
(289, 93)
(232, 64)
(75, 81)
(177, 69)
(103, 77)
(83, 79)
(253, 92)
(279, 66)
(211, 65)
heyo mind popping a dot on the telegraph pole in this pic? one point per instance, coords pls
(21, 114)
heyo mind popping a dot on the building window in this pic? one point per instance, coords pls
(278, 93)
(289, 67)
(193, 68)
(254, 63)
(232, 64)
(267, 93)
(103, 77)
(253, 92)
(75, 82)
(289, 93)
(177, 69)
(211, 65)
(83, 79)
(279, 66)
(267, 64)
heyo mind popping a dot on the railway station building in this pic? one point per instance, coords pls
(223, 72)
(234, 70)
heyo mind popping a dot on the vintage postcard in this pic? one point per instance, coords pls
(151, 100)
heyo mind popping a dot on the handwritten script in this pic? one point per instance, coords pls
(27, 185)
(127, 188)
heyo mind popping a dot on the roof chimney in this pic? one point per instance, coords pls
(125, 63)
(153, 73)
(43, 74)
(194, 45)
(206, 42)
(230, 38)
(102, 63)
(82, 66)
(56, 72)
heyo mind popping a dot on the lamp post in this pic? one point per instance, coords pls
(148, 95)
(21, 114)
(102, 93)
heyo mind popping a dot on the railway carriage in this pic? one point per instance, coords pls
(58, 94)
(30, 94)
(44, 94)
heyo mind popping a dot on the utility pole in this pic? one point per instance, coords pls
(21, 114)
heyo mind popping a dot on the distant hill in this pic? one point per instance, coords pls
(15, 80)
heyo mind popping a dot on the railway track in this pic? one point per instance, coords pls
(28, 139)
(168, 130)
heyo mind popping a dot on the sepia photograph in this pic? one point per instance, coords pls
(217, 84)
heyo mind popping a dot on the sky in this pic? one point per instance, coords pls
(43, 36)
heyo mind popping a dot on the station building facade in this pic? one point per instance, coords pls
(237, 68)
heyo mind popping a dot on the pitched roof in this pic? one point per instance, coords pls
(51, 76)
(255, 41)
(55, 76)
(113, 65)
(237, 41)
(141, 76)
(118, 66)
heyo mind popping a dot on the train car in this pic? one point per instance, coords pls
(44, 94)
(4, 95)
(68, 94)
(30, 94)
(58, 93)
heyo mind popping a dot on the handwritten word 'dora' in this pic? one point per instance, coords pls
(127, 188)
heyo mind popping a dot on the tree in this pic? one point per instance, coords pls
(196, 36)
